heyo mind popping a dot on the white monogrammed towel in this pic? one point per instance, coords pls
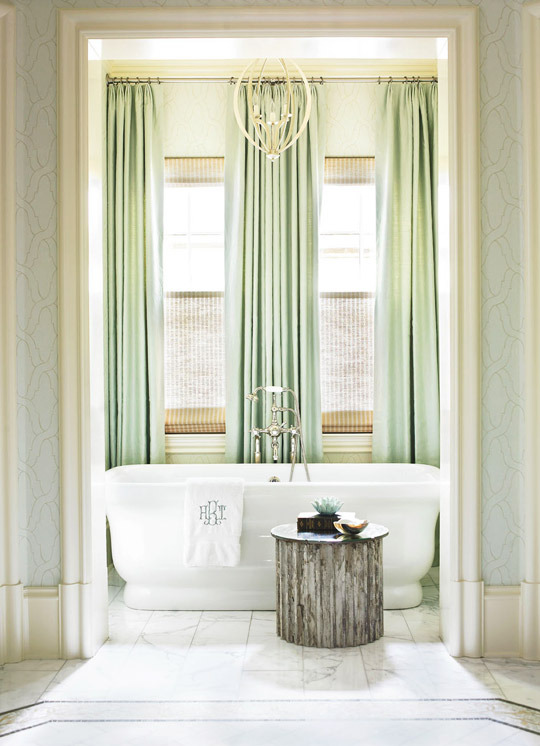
(213, 522)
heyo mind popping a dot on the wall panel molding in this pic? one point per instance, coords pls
(10, 587)
(502, 627)
(41, 623)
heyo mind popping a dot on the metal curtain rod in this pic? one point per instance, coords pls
(321, 79)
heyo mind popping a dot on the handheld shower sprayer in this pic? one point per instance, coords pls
(276, 429)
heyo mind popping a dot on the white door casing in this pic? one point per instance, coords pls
(462, 589)
(11, 589)
(530, 587)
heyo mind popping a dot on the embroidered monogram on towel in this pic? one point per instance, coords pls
(213, 512)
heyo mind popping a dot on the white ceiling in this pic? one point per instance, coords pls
(324, 56)
(243, 48)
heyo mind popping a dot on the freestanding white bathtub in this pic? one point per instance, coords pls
(145, 509)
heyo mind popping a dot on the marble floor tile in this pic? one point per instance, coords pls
(335, 674)
(391, 654)
(346, 732)
(227, 616)
(272, 654)
(19, 688)
(519, 683)
(113, 592)
(173, 621)
(395, 625)
(267, 685)
(222, 631)
(262, 626)
(34, 665)
(209, 673)
(401, 683)
(229, 659)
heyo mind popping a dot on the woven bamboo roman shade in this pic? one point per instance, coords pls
(182, 172)
(194, 363)
(349, 170)
(347, 362)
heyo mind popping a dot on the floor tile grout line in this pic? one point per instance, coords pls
(245, 651)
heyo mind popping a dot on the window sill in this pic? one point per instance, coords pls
(215, 443)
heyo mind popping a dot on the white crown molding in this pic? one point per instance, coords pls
(233, 68)
(460, 26)
(530, 596)
(10, 587)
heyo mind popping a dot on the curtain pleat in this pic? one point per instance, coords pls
(134, 409)
(271, 282)
(406, 394)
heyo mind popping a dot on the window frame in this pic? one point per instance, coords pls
(184, 444)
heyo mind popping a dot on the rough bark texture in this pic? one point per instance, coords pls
(329, 595)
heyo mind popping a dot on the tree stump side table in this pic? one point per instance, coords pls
(329, 588)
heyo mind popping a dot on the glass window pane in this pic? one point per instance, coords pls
(340, 209)
(347, 284)
(194, 279)
(208, 268)
(175, 210)
(339, 274)
(176, 260)
(207, 209)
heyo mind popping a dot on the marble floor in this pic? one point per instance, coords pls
(224, 678)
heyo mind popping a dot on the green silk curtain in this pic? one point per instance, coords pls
(406, 397)
(271, 271)
(134, 407)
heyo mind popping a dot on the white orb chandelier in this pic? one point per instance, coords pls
(279, 131)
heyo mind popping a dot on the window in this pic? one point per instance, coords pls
(194, 283)
(194, 292)
(347, 294)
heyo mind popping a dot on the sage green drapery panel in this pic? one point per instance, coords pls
(134, 406)
(271, 277)
(406, 395)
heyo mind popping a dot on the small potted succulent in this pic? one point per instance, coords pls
(327, 505)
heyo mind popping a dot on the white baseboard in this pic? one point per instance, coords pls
(11, 623)
(30, 627)
(83, 636)
(46, 635)
(530, 621)
(461, 617)
(41, 623)
(502, 621)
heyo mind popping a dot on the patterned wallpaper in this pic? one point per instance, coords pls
(195, 115)
(502, 285)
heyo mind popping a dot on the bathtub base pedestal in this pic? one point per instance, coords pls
(329, 588)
